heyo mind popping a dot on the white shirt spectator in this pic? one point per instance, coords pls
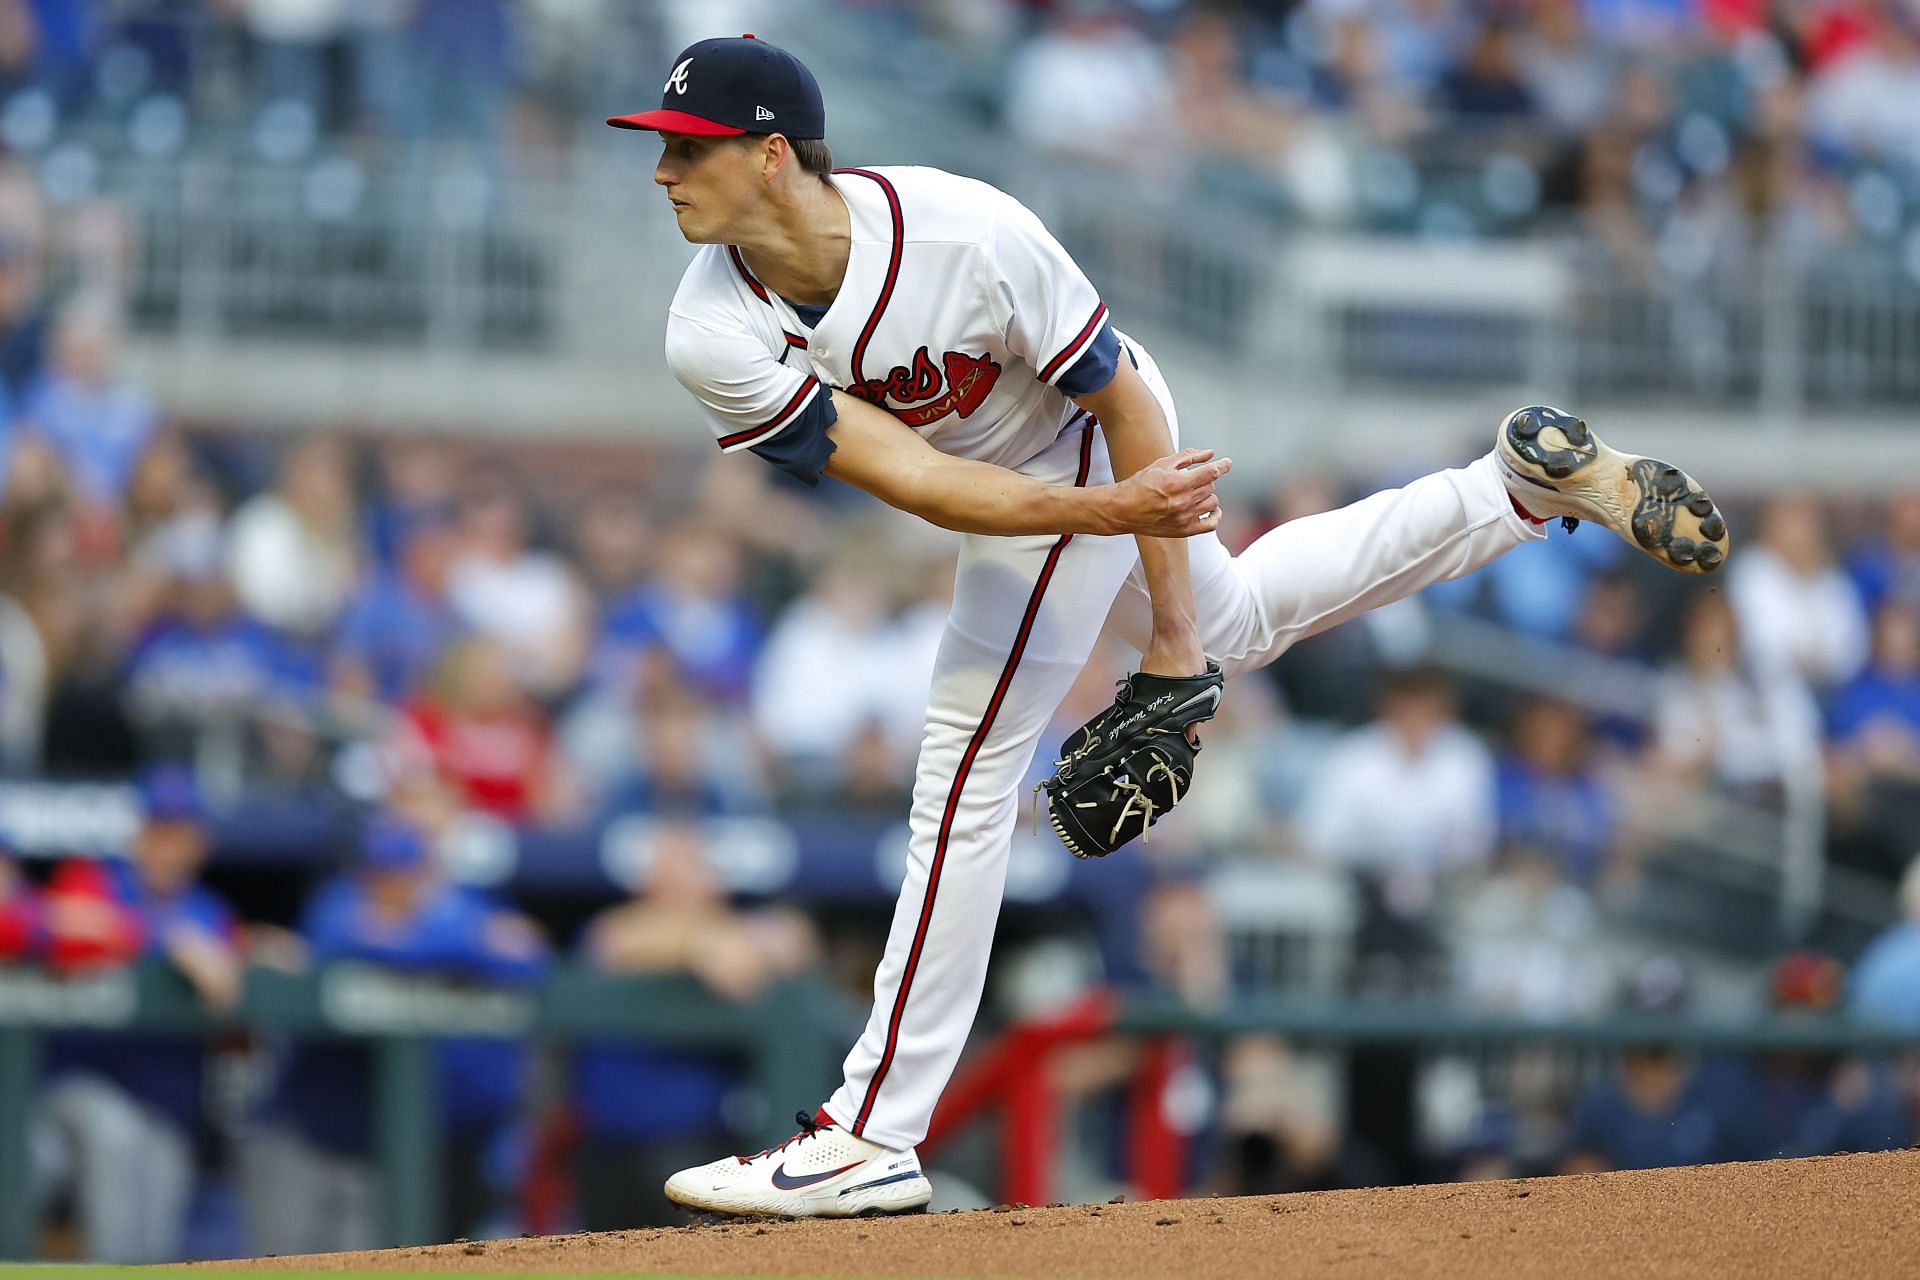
(834, 665)
(1812, 624)
(1525, 944)
(1869, 101)
(1382, 808)
(295, 19)
(1091, 88)
(530, 603)
(1748, 731)
(285, 572)
(1569, 74)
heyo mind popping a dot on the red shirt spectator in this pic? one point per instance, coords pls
(1836, 31)
(22, 919)
(480, 735)
(87, 925)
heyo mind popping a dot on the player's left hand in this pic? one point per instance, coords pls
(1171, 497)
(1126, 767)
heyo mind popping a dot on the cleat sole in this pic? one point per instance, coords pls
(1653, 504)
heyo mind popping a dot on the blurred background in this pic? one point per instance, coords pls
(439, 797)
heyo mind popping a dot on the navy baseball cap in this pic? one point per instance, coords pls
(168, 793)
(388, 844)
(724, 88)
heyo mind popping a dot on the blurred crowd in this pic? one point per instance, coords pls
(427, 633)
(1687, 128)
(280, 76)
(124, 1123)
(1706, 121)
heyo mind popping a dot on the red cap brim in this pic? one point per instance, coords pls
(664, 121)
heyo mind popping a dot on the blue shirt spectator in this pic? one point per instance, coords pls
(477, 35)
(1886, 980)
(636, 1101)
(395, 912)
(1573, 817)
(199, 668)
(179, 921)
(1875, 696)
(1886, 695)
(1654, 1115)
(1788, 1105)
(401, 622)
(395, 633)
(97, 422)
(64, 32)
(1541, 590)
(694, 612)
(713, 641)
(1550, 798)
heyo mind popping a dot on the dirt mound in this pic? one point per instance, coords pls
(1833, 1217)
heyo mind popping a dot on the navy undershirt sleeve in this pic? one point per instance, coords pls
(801, 449)
(1095, 367)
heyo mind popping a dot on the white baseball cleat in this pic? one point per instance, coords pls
(1554, 465)
(823, 1171)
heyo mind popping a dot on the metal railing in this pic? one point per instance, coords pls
(561, 256)
(1777, 853)
(789, 1038)
(380, 252)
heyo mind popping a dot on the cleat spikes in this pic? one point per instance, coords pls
(1569, 473)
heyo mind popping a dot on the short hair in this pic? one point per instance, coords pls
(1423, 680)
(813, 154)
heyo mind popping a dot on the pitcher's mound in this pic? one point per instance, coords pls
(1832, 1217)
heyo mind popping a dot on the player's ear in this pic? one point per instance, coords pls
(776, 153)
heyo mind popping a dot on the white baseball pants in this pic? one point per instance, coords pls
(1026, 615)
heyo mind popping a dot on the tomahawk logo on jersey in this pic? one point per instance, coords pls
(959, 314)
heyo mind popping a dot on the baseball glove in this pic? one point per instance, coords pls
(1123, 769)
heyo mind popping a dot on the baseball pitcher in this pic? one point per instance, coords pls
(923, 337)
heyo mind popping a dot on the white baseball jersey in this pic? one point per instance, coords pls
(959, 313)
(963, 317)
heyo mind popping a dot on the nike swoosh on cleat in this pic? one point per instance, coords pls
(785, 1183)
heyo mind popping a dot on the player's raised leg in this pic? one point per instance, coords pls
(1026, 613)
(1313, 573)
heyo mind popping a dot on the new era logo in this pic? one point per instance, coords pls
(761, 113)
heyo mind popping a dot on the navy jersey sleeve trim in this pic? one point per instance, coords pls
(802, 449)
(806, 395)
(1095, 368)
(1067, 355)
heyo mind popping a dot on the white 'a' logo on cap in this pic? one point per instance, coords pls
(678, 80)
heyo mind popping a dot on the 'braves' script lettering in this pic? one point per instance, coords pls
(923, 396)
